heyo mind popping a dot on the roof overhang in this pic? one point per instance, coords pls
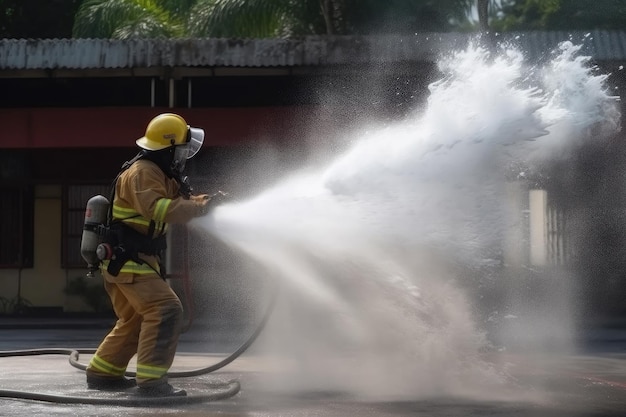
(177, 58)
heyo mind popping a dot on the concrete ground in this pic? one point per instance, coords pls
(539, 385)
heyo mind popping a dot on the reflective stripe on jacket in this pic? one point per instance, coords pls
(130, 216)
(148, 200)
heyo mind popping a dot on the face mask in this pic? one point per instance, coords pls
(195, 139)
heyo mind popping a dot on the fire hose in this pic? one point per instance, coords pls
(220, 391)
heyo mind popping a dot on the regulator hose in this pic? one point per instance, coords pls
(224, 390)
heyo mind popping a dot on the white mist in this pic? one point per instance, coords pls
(370, 251)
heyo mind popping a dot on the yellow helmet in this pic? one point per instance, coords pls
(169, 129)
(165, 130)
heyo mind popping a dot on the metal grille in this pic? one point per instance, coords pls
(557, 248)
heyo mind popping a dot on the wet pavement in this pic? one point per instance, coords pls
(584, 384)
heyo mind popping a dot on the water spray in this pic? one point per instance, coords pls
(370, 251)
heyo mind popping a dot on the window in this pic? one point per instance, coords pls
(16, 227)
(76, 197)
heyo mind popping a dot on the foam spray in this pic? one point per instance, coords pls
(371, 250)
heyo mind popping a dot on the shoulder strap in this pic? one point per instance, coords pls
(125, 166)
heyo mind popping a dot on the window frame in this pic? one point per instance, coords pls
(24, 235)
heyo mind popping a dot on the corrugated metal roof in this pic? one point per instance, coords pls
(600, 45)
(311, 51)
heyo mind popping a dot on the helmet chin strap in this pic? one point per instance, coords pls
(179, 160)
(178, 166)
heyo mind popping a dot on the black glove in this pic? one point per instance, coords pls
(217, 198)
(185, 188)
(213, 201)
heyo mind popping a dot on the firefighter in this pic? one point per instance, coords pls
(148, 194)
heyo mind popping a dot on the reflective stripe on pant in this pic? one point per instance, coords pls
(149, 321)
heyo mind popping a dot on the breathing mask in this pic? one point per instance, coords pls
(195, 138)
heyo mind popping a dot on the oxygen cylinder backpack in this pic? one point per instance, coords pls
(95, 230)
(95, 246)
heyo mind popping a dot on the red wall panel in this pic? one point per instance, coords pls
(120, 126)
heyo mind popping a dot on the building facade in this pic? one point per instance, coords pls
(71, 110)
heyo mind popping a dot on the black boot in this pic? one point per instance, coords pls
(161, 390)
(106, 383)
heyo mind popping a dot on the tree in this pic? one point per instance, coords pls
(252, 18)
(265, 18)
(561, 15)
(37, 19)
(124, 19)
(288, 18)
(483, 14)
(405, 16)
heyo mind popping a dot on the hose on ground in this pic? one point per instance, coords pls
(220, 391)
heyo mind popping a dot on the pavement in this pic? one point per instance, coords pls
(264, 383)
(58, 322)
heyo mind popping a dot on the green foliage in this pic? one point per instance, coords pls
(125, 19)
(405, 16)
(583, 15)
(265, 18)
(14, 306)
(37, 18)
(238, 18)
(92, 294)
(561, 15)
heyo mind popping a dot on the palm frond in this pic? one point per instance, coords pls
(112, 18)
(238, 18)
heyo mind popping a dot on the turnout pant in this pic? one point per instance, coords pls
(149, 322)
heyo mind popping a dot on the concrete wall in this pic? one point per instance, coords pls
(514, 250)
(538, 203)
(43, 284)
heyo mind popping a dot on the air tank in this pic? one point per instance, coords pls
(95, 218)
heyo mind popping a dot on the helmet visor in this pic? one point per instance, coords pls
(195, 138)
(195, 141)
